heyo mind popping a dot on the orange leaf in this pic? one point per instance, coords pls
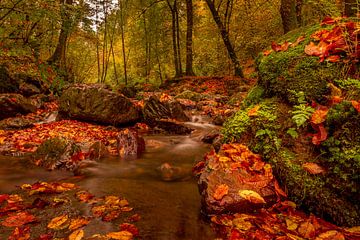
(356, 105)
(78, 223)
(130, 228)
(320, 136)
(77, 235)
(307, 230)
(313, 168)
(221, 191)
(253, 111)
(267, 52)
(331, 235)
(251, 196)
(319, 116)
(20, 233)
(18, 219)
(278, 190)
(58, 223)
(122, 235)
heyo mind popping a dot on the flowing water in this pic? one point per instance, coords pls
(168, 209)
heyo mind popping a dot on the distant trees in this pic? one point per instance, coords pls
(288, 15)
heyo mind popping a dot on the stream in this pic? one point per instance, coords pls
(168, 209)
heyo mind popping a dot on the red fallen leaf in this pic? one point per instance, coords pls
(280, 48)
(333, 58)
(328, 21)
(77, 157)
(321, 34)
(267, 52)
(47, 236)
(18, 219)
(3, 197)
(13, 100)
(84, 196)
(199, 168)
(320, 136)
(130, 228)
(20, 233)
(134, 218)
(110, 216)
(236, 235)
(319, 50)
(221, 191)
(319, 116)
(313, 168)
(278, 189)
(356, 105)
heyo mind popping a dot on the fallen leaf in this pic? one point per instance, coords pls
(356, 105)
(242, 224)
(18, 219)
(78, 223)
(98, 211)
(267, 52)
(84, 196)
(77, 235)
(220, 191)
(313, 168)
(20, 233)
(307, 230)
(130, 228)
(122, 235)
(330, 235)
(59, 223)
(278, 189)
(253, 112)
(251, 196)
(291, 225)
(319, 115)
(110, 216)
(320, 135)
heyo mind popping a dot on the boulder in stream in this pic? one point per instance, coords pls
(235, 180)
(12, 104)
(16, 123)
(57, 153)
(95, 103)
(129, 143)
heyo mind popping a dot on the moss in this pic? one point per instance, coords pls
(350, 86)
(294, 70)
(255, 95)
(193, 96)
(311, 191)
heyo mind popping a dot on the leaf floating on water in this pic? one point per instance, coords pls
(130, 228)
(77, 235)
(18, 219)
(313, 168)
(221, 191)
(122, 235)
(78, 223)
(251, 196)
(84, 196)
(59, 223)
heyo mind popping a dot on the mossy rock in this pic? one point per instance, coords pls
(281, 72)
(265, 126)
(193, 96)
(56, 153)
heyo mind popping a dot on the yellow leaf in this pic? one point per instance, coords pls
(331, 235)
(251, 196)
(122, 235)
(77, 235)
(224, 159)
(241, 224)
(58, 223)
(292, 226)
(111, 200)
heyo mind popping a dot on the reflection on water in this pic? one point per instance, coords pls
(169, 210)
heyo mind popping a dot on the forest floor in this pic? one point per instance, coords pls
(36, 205)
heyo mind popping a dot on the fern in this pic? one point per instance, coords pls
(302, 112)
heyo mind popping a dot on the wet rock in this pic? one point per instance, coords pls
(235, 180)
(28, 89)
(219, 119)
(13, 104)
(169, 173)
(129, 143)
(210, 137)
(7, 83)
(172, 127)
(57, 153)
(156, 109)
(193, 96)
(15, 123)
(98, 150)
(95, 103)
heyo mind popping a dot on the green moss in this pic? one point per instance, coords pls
(312, 191)
(350, 86)
(254, 96)
(294, 70)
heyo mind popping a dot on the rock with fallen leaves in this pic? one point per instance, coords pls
(235, 180)
(58, 153)
(14, 104)
(95, 103)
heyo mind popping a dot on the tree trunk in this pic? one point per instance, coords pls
(351, 8)
(59, 56)
(189, 36)
(288, 15)
(122, 32)
(226, 39)
(298, 9)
